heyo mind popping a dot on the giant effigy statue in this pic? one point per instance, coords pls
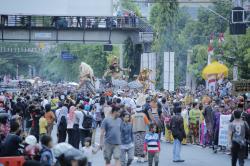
(143, 80)
(87, 77)
(115, 74)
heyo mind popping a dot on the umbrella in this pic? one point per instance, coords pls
(215, 68)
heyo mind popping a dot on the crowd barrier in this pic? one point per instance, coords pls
(12, 161)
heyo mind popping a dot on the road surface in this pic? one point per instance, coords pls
(193, 156)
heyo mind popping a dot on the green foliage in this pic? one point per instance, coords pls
(168, 21)
(58, 69)
(9, 60)
(130, 5)
(51, 66)
(163, 17)
(237, 51)
(132, 54)
(199, 60)
(197, 34)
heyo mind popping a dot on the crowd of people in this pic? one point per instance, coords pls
(131, 125)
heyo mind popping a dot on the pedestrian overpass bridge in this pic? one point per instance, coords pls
(106, 30)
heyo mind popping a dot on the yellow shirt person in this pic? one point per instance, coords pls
(43, 125)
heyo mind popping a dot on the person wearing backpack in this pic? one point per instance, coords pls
(178, 132)
(74, 119)
(61, 115)
(86, 124)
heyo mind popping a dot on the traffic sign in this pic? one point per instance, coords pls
(65, 55)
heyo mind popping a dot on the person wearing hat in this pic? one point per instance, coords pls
(146, 107)
(139, 122)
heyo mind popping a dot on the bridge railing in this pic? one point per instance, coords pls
(71, 22)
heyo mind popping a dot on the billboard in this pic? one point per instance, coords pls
(57, 7)
(168, 73)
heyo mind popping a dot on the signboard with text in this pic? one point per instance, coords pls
(223, 132)
(67, 56)
(241, 86)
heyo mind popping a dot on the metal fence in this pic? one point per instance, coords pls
(72, 22)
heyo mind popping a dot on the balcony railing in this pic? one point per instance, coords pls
(72, 22)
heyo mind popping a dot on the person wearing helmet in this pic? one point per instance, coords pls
(67, 155)
(31, 149)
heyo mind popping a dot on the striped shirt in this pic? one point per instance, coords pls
(152, 143)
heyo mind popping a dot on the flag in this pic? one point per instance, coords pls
(210, 49)
(210, 45)
(220, 42)
(221, 39)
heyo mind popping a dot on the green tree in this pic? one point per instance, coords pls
(197, 34)
(58, 69)
(199, 61)
(130, 5)
(132, 54)
(163, 18)
(237, 51)
(12, 58)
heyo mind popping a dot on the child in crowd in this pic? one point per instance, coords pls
(89, 151)
(127, 146)
(46, 153)
(152, 145)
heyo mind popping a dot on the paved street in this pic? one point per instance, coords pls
(193, 156)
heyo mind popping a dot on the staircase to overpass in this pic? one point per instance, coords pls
(106, 30)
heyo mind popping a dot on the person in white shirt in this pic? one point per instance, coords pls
(129, 104)
(45, 101)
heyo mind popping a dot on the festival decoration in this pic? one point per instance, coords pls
(215, 68)
(87, 77)
(115, 74)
